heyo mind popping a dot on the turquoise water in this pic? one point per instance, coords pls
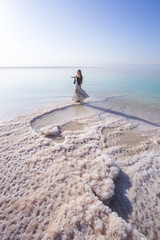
(132, 89)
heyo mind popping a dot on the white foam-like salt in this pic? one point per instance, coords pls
(50, 130)
(55, 190)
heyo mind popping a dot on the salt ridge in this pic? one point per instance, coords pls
(55, 190)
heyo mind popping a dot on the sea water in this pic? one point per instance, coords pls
(130, 89)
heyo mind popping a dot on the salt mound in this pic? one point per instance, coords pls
(85, 218)
(56, 191)
(50, 130)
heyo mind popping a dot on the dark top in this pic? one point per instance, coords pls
(79, 81)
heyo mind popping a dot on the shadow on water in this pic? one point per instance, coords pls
(122, 114)
(119, 202)
(107, 99)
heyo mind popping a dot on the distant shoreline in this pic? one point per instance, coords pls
(116, 65)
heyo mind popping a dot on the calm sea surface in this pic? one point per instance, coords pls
(133, 90)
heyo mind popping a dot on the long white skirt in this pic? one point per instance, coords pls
(79, 94)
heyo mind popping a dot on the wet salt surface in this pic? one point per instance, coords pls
(64, 118)
(118, 105)
(73, 189)
(69, 126)
(63, 115)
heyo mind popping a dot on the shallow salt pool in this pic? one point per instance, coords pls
(117, 106)
(64, 115)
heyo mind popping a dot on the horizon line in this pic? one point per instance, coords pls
(100, 66)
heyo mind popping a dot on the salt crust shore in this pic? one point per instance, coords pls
(57, 191)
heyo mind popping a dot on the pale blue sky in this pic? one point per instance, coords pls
(79, 32)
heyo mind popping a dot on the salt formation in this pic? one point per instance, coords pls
(60, 191)
(50, 130)
(136, 150)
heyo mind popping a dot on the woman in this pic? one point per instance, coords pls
(79, 94)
